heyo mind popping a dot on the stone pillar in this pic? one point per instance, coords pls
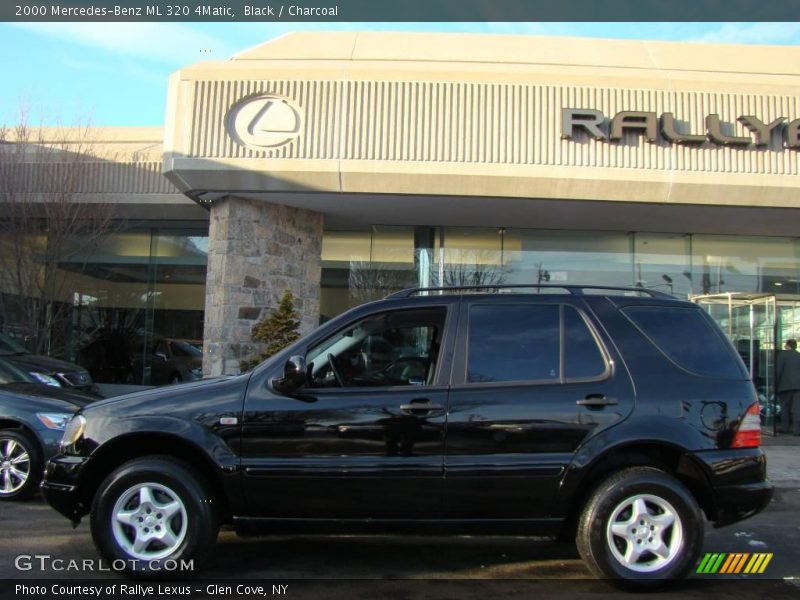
(256, 250)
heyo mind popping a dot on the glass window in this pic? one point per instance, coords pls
(513, 342)
(138, 289)
(661, 262)
(361, 266)
(583, 257)
(388, 349)
(689, 338)
(582, 356)
(470, 256)
(9, 346)
(724, 263)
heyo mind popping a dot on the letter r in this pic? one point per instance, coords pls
(589, 119)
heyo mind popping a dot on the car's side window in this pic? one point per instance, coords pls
(513, 342)
(531, 342)
(161, 348)
(582, 356)
(395, 348)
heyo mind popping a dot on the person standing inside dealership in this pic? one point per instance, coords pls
(787, 380)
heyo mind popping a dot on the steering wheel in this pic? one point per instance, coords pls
(335, 370)
(397, 368)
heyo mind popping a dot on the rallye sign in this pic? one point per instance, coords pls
(651, 126)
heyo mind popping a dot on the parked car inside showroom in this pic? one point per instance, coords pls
(47, 369)
(128, 356)
(620, 417)
(33, 416)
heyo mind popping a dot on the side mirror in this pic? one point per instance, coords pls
(294, 375)
(161, 356)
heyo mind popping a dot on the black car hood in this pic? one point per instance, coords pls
(42, 364)
(170, 399)
(30, 403)
(38, 390)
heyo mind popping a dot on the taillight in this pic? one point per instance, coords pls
(748, 435)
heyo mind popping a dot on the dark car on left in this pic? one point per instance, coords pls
(45, 369)
(32, 419)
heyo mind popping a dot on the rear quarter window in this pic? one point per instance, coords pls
(688, 338)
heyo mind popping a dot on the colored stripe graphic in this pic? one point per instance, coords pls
(734, 563)
(767, 558)
(729, 562)
(717, 563)
(711, 563)
(755, 562)
(701, 568)
(740, 563)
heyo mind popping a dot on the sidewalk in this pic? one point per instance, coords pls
(783, 459)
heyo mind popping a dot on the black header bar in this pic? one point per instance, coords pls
(400, 10)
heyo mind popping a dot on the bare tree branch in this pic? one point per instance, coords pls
(51, 223)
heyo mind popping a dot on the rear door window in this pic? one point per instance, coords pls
(531, 342)
(513, 342)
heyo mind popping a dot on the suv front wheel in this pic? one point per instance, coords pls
(640, 528)
(151, 514)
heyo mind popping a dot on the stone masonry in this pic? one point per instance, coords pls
(256, 250)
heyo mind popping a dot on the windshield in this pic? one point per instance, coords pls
(9, 346)
(184, 349)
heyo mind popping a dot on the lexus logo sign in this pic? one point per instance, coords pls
(263, 122)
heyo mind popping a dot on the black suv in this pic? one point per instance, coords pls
(617, 416)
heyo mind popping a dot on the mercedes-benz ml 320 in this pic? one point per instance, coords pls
(621, 417)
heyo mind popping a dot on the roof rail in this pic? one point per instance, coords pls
(575, 290)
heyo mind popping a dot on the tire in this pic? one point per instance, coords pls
(670, 529)
(21, 464)
(168, 496)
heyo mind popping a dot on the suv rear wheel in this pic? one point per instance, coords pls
(640, 528)
(153, 510)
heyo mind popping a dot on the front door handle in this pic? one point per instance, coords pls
(596, 401)
(420, 406)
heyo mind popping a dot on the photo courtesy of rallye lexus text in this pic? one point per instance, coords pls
(619, 417)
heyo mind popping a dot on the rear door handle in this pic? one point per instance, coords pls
(596, 401)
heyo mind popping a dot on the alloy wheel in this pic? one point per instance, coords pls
(15, 465)
(645, 533)
(149, 521)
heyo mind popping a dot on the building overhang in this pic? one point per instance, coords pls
(482, 117)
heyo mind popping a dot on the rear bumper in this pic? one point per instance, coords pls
(739, 502)
(738, 483)
(60, 486)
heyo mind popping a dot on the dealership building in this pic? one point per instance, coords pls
(343, 166)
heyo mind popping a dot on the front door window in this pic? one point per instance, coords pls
(398, 348)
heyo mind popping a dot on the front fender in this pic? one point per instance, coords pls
(108, 442)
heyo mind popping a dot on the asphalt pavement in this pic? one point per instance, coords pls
(425, 567)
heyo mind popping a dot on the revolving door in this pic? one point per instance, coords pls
(751, 322)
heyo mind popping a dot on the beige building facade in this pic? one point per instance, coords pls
(343, 166)
(316, 131)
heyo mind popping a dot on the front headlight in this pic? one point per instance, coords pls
(73, 432)
(45, 379)
(54, 420)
